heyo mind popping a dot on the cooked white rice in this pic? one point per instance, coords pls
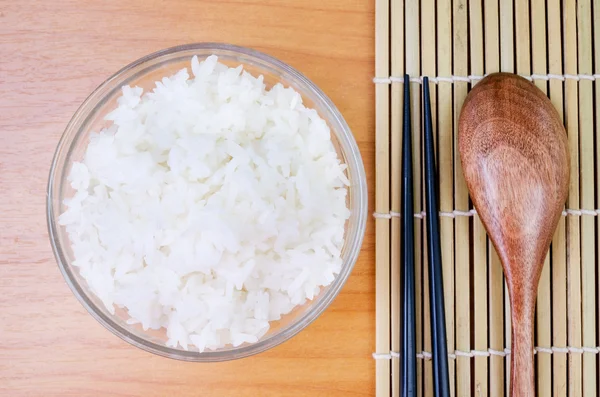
(210, 207)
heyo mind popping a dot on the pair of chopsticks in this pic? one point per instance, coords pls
(441, 385)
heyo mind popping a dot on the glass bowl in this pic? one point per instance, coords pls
(144, 73)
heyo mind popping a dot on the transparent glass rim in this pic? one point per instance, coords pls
(351, 152)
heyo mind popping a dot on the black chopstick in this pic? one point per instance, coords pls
(441, 385)
(409, 357)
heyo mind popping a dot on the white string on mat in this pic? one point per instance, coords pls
(422, 214)
(581, 212)
(491, 352)
(474, 78)
(389, 215)
(386, 356)
(458, 213)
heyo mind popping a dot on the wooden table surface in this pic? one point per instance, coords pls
(52, 55)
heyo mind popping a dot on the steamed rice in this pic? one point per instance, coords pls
(210, 207)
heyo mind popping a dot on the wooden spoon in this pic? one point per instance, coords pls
(514, 155)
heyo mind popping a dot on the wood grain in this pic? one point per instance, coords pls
(513, 149)
(52, 55)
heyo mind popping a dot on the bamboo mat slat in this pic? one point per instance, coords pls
(555, 44)
(596, 39)
(479, 237)
(397, 102)
(382, 199)
(428, 58)
(573, 226)
(445, 159)
(558, 251)
(544, 309)
(495, 277)
(588, 241)
(446, 167)
(461, 202)
(413, 67)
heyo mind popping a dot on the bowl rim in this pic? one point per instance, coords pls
(298, 324)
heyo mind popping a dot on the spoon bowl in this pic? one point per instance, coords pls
(515, 160)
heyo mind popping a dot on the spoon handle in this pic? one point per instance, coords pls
(522, 383)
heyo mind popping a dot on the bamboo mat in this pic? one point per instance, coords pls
(555, 44)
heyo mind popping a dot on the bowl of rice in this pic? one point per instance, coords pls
(206, 203)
